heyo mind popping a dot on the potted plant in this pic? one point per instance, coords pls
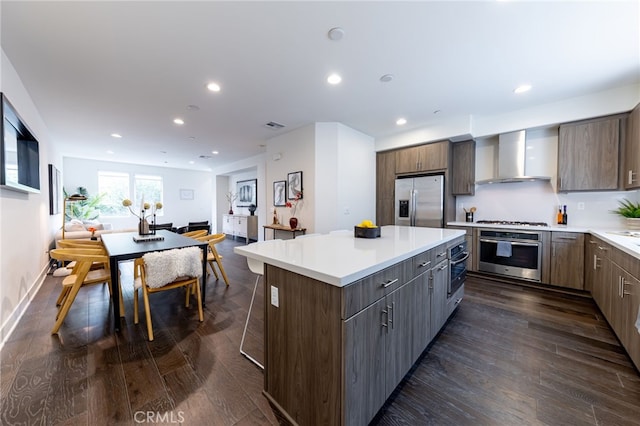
(630, 211)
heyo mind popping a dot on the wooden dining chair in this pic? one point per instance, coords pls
(82, 274)
(166, 270)
(213, 258)
(196, 234)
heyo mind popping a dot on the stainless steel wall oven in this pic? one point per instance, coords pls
(512, 253)
(458, 256)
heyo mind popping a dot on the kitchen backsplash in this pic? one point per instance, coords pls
(537, 202)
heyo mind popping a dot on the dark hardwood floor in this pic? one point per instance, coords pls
(510, 355)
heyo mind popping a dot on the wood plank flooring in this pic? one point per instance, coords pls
(510, 355)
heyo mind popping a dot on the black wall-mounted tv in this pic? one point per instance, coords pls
(19, 153)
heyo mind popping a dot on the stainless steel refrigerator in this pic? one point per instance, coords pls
(420, 201)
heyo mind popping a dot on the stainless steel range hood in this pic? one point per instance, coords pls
(512, 150)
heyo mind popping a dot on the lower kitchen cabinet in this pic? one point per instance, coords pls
(438, 297)
(602, 288)
(242, 226)
(567, 259)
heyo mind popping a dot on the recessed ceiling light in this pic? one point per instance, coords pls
(386, 78)
(522, 89)
(336, 34)
(401, 121)
(178, 121)
(116, 135)
(215, 152)
(192, 162)
(214, 87)
(334, 79)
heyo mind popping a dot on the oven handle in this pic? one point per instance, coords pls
(513, 243)
(465, 257)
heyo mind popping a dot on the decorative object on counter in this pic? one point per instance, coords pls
(230, 199)
(564, 215)
(468, 215)
(146, 211)
(252, 209)
(293, 205)
(630, 211)
(559, 217)
(275, 217)
(366, 229)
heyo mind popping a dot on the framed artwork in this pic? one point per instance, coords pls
(247, 192)
(55, 185)
(186, 194)
(294, 186)
(279, 193)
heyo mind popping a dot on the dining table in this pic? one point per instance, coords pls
(123, 246)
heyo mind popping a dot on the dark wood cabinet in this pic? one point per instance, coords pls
(438, 297)
(602, 288)
(463, 173)
(588, 153)
(631, 160)
(567, 259)
(385, 187)
(423, 158)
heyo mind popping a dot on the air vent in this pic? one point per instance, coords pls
(274, 126)
(206, 157)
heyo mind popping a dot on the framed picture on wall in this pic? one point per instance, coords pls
(247, 192)
(294, 185)
(55, 185)
(279, 193)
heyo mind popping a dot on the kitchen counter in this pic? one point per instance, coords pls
(340, 258)
(627, 241)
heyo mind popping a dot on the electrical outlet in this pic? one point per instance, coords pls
(275, 299)
(346, 211)
(580, 206)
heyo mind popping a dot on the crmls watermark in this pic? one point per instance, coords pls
(156, 417)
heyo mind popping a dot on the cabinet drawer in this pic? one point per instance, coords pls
(565, 237)
(423, 262)
(366, 291)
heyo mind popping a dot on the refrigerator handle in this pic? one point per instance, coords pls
(412, 208)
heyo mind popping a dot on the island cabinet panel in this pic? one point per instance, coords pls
(631, 171)
(567, 260)
(423, 158)
(438, 297)
(303, 351)
(588, 155)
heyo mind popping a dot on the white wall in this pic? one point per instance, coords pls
(81, 172)
(26, 228)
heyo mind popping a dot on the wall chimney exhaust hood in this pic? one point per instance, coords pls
(512, 153)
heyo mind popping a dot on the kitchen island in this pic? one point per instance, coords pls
(346, 318)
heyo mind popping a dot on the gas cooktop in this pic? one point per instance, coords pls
(512, 223)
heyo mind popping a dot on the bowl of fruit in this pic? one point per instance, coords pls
(366, 229)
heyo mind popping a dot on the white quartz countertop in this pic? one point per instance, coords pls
(340, 258)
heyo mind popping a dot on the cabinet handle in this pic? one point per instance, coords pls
(385, 312)
(592, 242)
(424, 264)
(567, 238)
(443, 267)
(603, 248)
(392, 308)
(595, 262)
(389, 282)
(444, 253)
(631, 177)
(458, 301)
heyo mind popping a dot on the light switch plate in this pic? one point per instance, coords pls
(275, 299)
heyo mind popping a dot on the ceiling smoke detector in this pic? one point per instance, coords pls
(274, 126)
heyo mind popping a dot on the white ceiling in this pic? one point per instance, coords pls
(95, 68)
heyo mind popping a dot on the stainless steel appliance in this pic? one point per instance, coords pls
(420, 201)
(512, 253)
(458, 256)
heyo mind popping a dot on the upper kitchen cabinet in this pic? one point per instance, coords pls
(463, 174)
(588, 153)
(423, 158)
(632, 151)
(385, 187)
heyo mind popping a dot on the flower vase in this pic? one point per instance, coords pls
(143, 227)
(293, 222)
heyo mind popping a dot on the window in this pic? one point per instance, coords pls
(115, 186)
(148, 188)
